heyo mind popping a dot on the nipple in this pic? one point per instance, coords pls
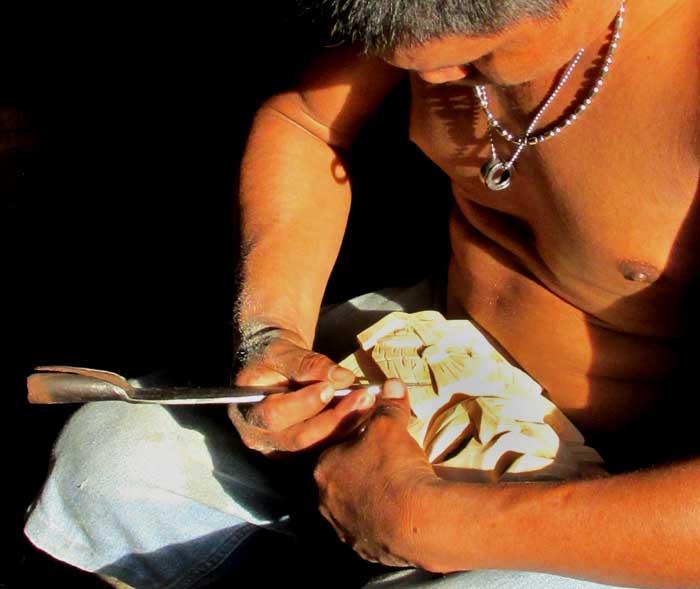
(638, 271)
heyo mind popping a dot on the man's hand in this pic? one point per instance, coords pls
(303, 419)
(368, 487)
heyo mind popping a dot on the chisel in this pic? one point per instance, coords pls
(70, 384)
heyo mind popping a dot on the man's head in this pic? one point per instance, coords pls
(380, 26)
(505, 42)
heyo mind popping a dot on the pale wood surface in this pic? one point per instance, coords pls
(478, 417)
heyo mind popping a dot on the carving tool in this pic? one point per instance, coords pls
(70, 384)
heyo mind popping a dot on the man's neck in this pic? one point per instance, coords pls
(641, 18)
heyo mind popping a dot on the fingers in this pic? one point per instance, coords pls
(282, 410)
(284, 361)
(332, 424)
(393, 402)
(278, 424)
(301, 419)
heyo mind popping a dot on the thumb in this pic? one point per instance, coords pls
(302, 365)
(393, 401)
(306, 366)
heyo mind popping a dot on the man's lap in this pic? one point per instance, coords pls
(169, 506)
(141, 507)
(159, 496)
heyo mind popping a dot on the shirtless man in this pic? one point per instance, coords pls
(582, 270)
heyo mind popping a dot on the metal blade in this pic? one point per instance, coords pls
(222, 395)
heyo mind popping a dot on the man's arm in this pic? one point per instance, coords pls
(636, 529)
(294, 201)
(295, 193)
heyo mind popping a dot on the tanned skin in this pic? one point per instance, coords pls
(583, 272)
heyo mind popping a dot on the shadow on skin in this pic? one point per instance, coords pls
(454, 104)
(660, 415)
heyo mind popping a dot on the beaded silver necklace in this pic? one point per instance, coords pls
(497, 173)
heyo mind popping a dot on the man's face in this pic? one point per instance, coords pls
(523, 52)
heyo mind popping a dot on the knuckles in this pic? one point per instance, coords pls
(302, 440)
(311, 365)
(255, 442)
(267, 414)
(264, 415)
(320, 475)
(386, 413)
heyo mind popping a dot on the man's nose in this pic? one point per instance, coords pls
(445, 74)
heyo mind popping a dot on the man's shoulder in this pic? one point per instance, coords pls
(337, 93)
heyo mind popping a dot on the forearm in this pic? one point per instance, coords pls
(295, 199)
(640, 529)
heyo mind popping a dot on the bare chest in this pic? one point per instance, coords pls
(606, 210)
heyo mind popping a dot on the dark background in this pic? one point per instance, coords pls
(120, 136)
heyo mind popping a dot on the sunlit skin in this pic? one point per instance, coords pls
(560, 221)
(583, 272)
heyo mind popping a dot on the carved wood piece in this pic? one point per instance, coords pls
(477, 417)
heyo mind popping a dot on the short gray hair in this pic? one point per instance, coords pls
(379, 26)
